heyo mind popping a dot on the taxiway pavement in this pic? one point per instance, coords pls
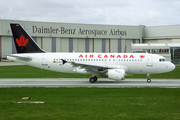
(84, 82)
(9, 63)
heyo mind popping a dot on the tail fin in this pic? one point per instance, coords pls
(24, 43)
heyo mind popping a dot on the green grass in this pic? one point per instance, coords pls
(86, 103)
(24, 71)
(90, 103)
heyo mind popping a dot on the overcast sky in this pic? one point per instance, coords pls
(111, 12)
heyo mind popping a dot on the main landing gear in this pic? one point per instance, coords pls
(93, 79)
(148, 78)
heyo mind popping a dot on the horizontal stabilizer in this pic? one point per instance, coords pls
(20, 57)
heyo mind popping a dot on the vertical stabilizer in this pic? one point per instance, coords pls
(24, 43)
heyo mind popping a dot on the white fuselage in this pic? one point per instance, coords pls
(135, 63)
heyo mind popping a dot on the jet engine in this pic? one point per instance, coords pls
(115, 74)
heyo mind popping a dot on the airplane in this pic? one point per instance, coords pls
(111, 65)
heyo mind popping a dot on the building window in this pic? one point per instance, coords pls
(119, 46)
(175, 55)
(160, 51)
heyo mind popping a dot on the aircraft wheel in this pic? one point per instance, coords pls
(95, 78)
(148, 80)
(92, 80)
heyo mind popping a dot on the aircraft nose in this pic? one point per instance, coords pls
(171, 67)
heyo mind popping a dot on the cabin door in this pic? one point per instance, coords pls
(150, 60)
(44, 60)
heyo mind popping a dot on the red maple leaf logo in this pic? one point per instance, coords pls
(142, 56)
(22, 41)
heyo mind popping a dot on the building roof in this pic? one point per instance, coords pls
(156, 45)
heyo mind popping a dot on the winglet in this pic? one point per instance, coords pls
(64, 61)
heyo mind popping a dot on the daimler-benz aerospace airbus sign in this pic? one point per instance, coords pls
(80, 31)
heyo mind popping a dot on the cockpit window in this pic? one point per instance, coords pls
(162, 60)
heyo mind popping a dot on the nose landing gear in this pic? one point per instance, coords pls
(148, 78)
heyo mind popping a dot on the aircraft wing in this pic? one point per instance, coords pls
(95, 67)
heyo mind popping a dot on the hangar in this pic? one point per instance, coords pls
(69, 37)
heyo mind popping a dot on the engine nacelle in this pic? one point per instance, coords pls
(116, 74)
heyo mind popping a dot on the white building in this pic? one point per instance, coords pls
(68, 37)
(169, 50)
